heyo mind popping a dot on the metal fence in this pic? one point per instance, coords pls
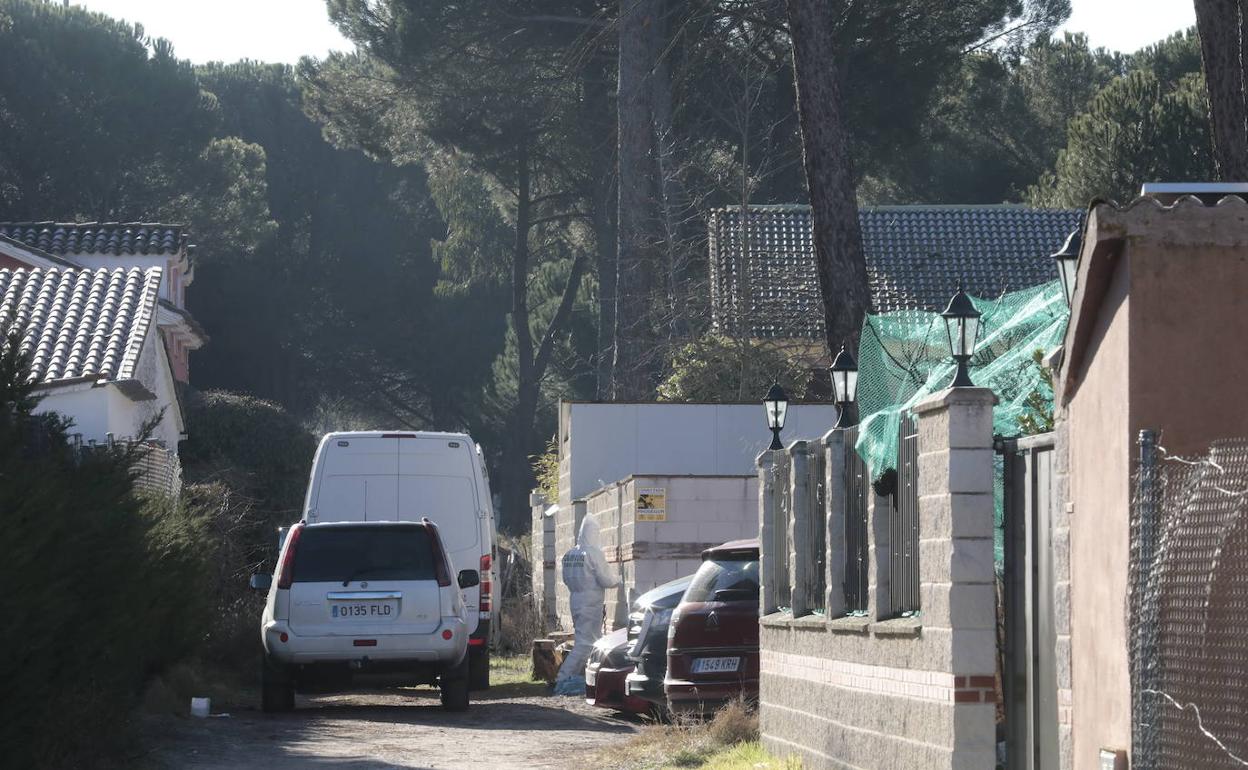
(1189, 608)
(903, 525)
(857, 486)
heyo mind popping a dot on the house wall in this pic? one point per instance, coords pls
(700, 511)
(1159, 343)
(1100, 451)
(913, 692)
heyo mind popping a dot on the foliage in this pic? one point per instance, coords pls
(1037, 416)
(1147, 125)
(546, 470)
(718, 368)
(88, 569)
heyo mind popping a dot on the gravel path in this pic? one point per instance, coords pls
(510, 727)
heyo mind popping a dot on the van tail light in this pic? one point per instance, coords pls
(440, 569)
(487, 583)
(287, 573)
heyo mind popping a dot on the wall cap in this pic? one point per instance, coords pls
(897, 627)
(956, 397)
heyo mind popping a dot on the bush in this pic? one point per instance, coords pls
(246, 463)
(100, 585)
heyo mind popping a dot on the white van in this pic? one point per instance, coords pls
(408, 476)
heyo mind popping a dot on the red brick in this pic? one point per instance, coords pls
(990, 696)
(959, 681)
(966, 696)
(983, 681)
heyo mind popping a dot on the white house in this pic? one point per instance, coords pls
(100, 312)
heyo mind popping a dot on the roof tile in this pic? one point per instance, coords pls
(80, 323)
(116, 238)
(917, 256)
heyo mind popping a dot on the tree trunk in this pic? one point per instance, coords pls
(633, 334)
(597, 112)
(516, 471)
(667, 171)
(515, 462)
(829, 172)
(1219, 23)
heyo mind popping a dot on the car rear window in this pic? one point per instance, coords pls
(720, 575)
(363, 553)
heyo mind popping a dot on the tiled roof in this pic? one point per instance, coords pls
(916, 256)
(97, 237)
(80, 323)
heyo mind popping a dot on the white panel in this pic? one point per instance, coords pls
(448, 501)
(610, 442)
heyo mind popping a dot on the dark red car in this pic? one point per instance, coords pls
(712, 649)
(606, 671)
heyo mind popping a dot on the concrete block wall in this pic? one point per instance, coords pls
(542, 553)
(701, 511)
(913, 692)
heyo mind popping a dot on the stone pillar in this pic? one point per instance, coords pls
(835, 554)
(768, 561)
(957, 583)
(801, 533)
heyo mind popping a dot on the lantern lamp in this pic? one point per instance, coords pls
(962, 325)
(844, 372)
(777, 405)
(1068, 264)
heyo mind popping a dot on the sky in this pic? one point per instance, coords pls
(284, 30)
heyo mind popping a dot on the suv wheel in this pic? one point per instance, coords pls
(277, 691)
(453, 685)
(479, 668)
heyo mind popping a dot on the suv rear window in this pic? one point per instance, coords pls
(722, 575)
(335, 554)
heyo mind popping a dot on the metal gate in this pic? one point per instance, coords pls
(903, 525)
(857, 559)
(1026, 605)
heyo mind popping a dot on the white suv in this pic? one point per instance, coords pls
(356, 601)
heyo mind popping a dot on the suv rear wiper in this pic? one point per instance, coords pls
(356, 573)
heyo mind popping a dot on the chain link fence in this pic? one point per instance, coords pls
(1189, 608)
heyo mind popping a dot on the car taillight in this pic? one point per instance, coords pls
(487, 583)
(287, 573)
(440, 570)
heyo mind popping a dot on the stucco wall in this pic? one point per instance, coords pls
(1100, 447)
(1157, 341)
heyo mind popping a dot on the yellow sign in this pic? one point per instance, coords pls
(651, 504)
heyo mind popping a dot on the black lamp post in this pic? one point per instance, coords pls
(777, 405)
(844, 371)
(1068, 264)
(962, 325)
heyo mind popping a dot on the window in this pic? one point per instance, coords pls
(335, 554)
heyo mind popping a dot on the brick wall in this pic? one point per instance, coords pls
(870, 691)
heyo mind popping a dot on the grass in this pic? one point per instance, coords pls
(511, 676)
(727, 742)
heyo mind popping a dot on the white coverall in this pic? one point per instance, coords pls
(586, 574)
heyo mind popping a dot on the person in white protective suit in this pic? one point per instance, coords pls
(587, 575)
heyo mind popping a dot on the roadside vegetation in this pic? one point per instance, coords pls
(729, 741)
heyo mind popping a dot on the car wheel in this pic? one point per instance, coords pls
(478, 668)
(453, 687)
(277, 691)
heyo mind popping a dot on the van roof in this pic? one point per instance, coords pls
(395, 434)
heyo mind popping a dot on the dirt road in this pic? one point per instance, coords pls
(512, 727)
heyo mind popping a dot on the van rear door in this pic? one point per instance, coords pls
(438, 479)
(359, 480)
(352, 580)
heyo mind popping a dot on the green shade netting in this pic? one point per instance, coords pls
(903, 358)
